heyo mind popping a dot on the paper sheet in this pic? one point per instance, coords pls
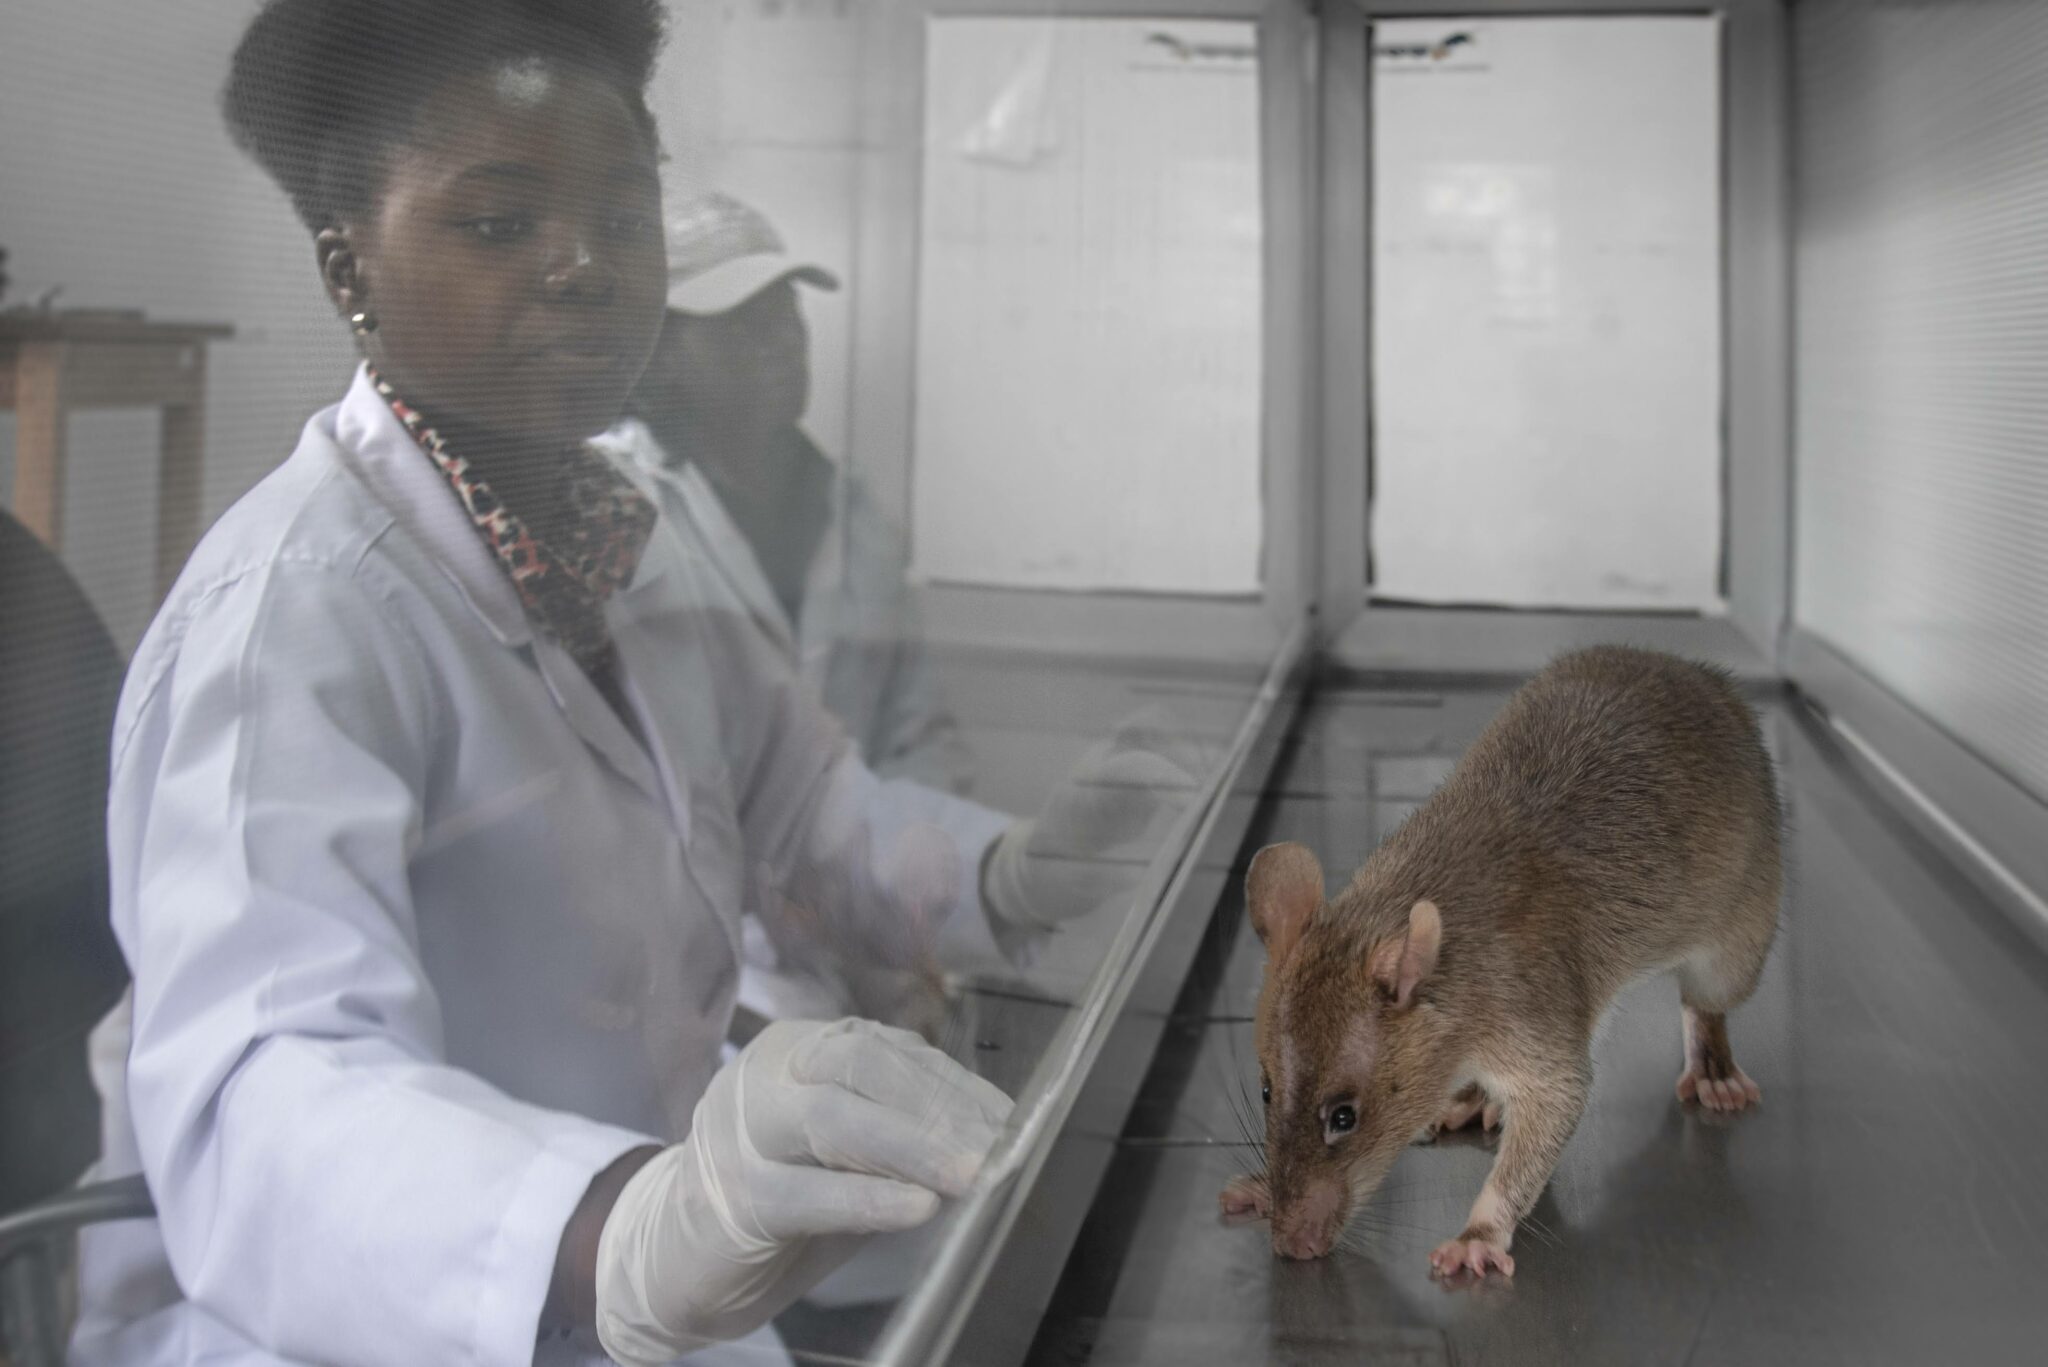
(1088, 356)
(1547, 312)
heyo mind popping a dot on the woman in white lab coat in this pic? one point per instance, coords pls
(437, 781)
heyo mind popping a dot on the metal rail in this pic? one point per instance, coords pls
(929, 1322)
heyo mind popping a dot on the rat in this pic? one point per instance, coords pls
(1619, 817)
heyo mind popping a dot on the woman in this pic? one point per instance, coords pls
(440, 775)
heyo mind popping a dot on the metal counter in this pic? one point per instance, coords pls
(1071, 1032)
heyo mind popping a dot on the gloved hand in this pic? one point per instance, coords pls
(1054, 867)
(815, 1135)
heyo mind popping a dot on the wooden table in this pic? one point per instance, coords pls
(52, 363)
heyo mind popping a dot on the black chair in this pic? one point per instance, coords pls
(60, 969)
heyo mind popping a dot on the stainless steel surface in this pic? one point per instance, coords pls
(33, 1243)
(1398, 637)
(996, 1260)
(1885, 1205)
(1992, 827)
(124, 1198)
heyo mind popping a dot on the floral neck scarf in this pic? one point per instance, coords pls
(563, 583)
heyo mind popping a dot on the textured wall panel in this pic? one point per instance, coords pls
(1921, 352)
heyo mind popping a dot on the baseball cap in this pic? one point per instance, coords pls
(722, 253)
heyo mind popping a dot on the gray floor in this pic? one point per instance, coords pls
(1888, 1203)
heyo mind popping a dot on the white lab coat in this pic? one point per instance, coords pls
(856, 644)
(422, 937)
(857, 639)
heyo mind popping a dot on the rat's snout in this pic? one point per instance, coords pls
(1307, 1226)
(1303, 1241)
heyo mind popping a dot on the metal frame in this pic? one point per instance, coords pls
(30, 1331)
(1756, 201)
(985, 1286)
(1994, 830)
(1244, 628)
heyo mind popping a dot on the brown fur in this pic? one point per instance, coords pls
(1618, 817)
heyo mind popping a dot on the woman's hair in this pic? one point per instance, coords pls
(319, 90)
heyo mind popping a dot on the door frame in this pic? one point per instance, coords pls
(1367, 638)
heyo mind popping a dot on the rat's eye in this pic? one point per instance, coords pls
(1343, 1120)
(1265, 1091)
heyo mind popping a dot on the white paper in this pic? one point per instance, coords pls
(1088, 350)
(1547, 312)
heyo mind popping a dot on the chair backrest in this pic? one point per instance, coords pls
(60, 969)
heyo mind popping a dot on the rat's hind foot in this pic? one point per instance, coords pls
(1246, 1197)
(1469, 1253)
(1711, 1077)
(1735, 1092)
(1470, 1102)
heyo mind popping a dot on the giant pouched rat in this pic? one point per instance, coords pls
(1618, 817)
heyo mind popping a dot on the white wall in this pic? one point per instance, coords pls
(761, 99)
(121, 186)
(1921, 435)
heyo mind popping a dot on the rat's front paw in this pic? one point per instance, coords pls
(1246, 1197)
(1468, 1253)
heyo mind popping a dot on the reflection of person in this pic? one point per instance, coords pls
(437, 781)
(821, 573)
(818, 565)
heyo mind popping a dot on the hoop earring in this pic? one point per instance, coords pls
(363, 323)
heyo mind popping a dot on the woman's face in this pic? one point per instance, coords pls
(514, 259)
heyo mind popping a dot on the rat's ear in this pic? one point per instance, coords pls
(1282, 891)
(1398, 966)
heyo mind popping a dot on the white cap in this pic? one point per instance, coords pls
(722, 253)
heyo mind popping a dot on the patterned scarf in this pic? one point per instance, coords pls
(563, 584)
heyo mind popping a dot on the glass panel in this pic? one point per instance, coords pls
(1547, 312)
(512, 460)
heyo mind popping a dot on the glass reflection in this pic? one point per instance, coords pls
(538, 779)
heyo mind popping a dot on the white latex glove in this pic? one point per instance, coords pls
(815, 1135)
(1057, 865)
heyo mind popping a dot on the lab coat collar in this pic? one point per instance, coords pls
(388, 459)
(654, 564)
(407, 483)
